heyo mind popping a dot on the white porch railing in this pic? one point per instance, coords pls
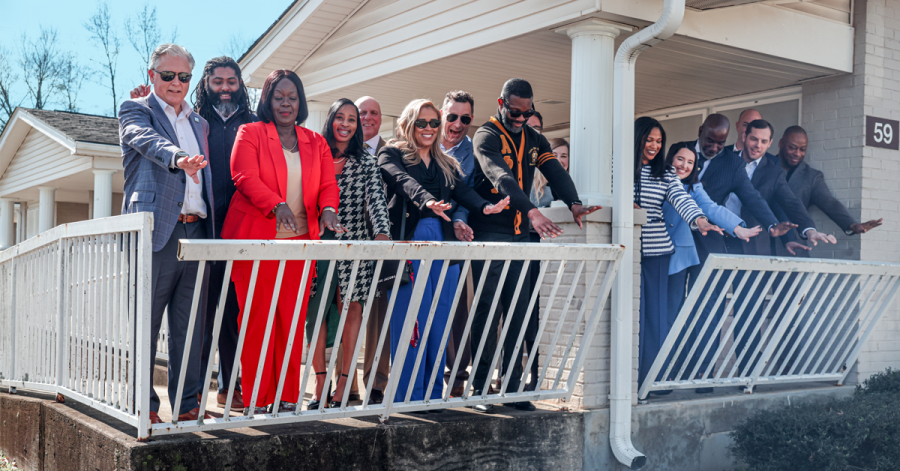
(75, 317)
(72, 300)
(555, 263)
(772, 320)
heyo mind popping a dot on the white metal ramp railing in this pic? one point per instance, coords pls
(751, 320)
(72, 301)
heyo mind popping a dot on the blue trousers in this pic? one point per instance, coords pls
(427, 229)
(654, 311)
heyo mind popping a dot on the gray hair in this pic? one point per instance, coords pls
(169, 50)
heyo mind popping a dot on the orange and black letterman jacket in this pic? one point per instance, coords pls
(504, 165)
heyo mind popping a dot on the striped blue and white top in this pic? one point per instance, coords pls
(650, 194)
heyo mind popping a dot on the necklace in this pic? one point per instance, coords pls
(292, 149)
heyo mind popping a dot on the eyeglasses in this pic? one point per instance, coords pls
(515, 114)
(422, 123)
(465, 119)
(168, 76)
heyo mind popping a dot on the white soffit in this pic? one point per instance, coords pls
(678, 71)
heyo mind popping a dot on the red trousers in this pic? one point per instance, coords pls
(279, 332)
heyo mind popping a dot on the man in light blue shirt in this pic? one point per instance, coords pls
(457, 113)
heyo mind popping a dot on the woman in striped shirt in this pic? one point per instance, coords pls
(656, 183)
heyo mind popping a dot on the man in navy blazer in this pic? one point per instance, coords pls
(164, 144)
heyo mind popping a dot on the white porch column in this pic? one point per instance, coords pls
(591, 108)
(103, 193)
(317, 113)
(46, 209)
(7, 231)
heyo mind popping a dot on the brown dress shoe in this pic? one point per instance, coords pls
(192, 415)
(237, 400)
(154, 418)
(457, 391)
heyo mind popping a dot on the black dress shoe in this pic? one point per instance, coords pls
(353, 397)
(376, 397)
(524, 405)
(703, 390)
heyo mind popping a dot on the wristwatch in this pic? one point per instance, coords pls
(329, 208)
(277, 205)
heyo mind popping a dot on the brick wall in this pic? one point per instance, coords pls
(866, 179)
(592, 388)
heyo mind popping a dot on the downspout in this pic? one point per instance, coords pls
(622, 325)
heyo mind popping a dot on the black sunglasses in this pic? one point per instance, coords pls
(515, 114)
(465, 119)
(168, 76)
(422, 123)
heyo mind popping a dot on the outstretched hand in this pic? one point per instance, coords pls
(745, 234)
(496, 207)
(543, 225)
(862, 228)
(192, 165)
(463, 232)
(792, 247)
(439, 207)
(815, 237)
(704, 226)
(781, 228)
(579, 211)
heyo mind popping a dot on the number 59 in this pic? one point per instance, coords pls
(884, 133)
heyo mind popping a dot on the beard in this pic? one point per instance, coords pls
(226, 107)
(508, 123)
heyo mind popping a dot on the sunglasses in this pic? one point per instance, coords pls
(422, 123)
(516, 114)
(465, 119)
(168, 76)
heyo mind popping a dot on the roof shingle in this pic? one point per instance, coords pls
(81, 127)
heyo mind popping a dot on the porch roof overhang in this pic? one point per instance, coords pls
(74, 144)
(383, 48)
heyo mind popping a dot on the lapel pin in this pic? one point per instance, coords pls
(196, 119)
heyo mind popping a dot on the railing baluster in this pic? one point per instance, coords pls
(461, 283)
(351, 286)
(548, 306)
(478, 290)
(487, 331)
(320, 318)
(560, 323)
(235, 371)
(423, 337)
(214, 343)
(264, 349)
(578, 318)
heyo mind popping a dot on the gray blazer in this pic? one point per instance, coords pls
(810, 187)
(147, 139)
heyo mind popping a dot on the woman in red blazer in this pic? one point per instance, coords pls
(286, 190)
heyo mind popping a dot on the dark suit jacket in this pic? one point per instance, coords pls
(402, 183)
(724, 175)
(147, 139)
(771, 182)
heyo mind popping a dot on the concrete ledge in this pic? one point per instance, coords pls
(690, 434)
(52, 436)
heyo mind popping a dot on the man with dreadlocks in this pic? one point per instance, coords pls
(221, 98)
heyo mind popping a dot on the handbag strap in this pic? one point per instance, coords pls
(403, 221)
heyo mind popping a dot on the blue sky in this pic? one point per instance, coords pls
(204, 28)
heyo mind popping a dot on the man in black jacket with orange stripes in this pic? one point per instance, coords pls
(506, 154)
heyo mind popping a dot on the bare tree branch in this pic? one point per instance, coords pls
(102, 31)
(39, 61)
(144, 35)
(71, 78)
(8, 79)
(237, 45)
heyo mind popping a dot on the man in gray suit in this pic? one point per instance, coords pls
(808, 184)
(164, 144)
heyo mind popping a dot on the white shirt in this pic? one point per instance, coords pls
(372, 145)
(699, 152)
(450, 150)
(187, 141)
